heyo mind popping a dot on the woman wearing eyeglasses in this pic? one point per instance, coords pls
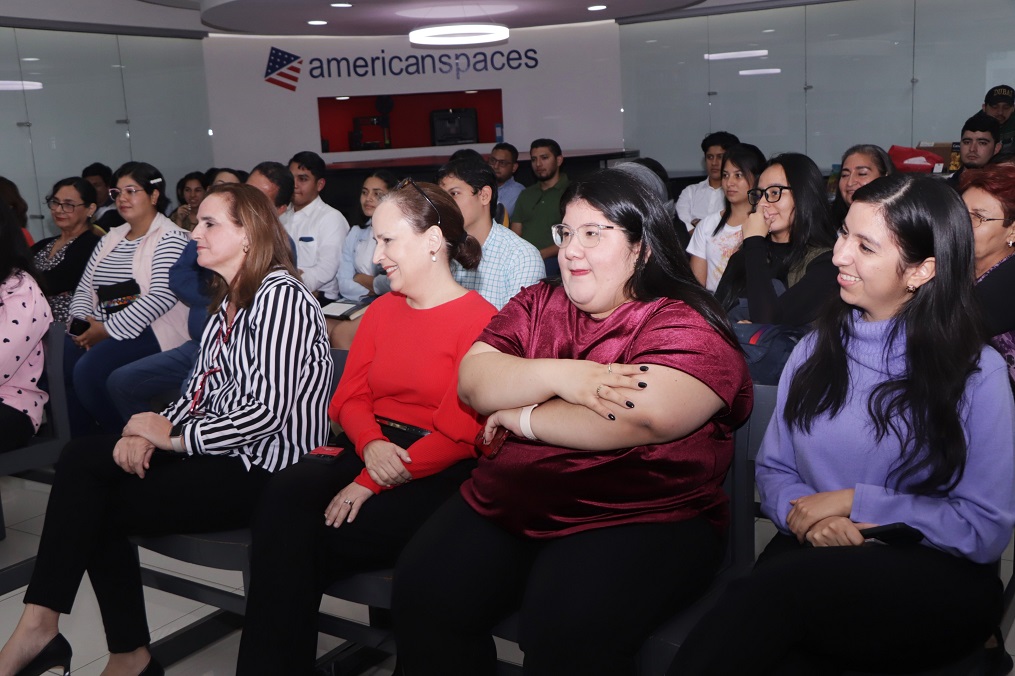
(989, 194)
(123, 308)
(602, 511)
(61, 260)
(783, 272)
(407, 441)
(255, 404)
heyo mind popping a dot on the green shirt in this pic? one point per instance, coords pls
(538, 209)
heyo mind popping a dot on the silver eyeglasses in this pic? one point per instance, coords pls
(588, 234)
(129, 191)
(980, 219)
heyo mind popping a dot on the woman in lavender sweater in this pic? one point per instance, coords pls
(893, 411)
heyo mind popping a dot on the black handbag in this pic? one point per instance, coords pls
(115, 297)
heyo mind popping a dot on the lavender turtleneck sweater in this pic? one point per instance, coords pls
(973, 520)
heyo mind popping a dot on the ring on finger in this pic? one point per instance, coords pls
(598, 392)
(609, 367)
(348, 502)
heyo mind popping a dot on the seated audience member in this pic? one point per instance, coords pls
(999, 102)
(359, 278)
(255, 404)
(123, 305)
(161, 376)
(101, 178)
(872, 428)
(861, 164)
(783, 272)
(981, 140)
(719, 235)
(220, 175)
(537, 208)
(504, 162)
(318, 230)
(603, 511)
(509, 263)
(189, 192)
(669, 204)
(989, 195)
(61, 260)
(702, 199)
(11, 196)
(24, 320)
(328, 517)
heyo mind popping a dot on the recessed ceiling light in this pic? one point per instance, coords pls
(768, 30)
(748, 54)
(459, 34)
(471, 91)
(341, 98)
(30, 58)
(341, 5)
(649, 42)
(318, 22)
(761, 71)
(18, 85)
(596, 8)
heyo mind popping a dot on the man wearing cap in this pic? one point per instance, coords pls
(999, 104)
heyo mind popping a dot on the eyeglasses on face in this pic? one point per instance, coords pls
(409, 181)
(64, 207)
(588, 234)
(772, 193)
(129, 191)
(494, 162)
(980, 219)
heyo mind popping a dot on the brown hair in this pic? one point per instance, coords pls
(11, 196)
(268, 250)
(460, 246)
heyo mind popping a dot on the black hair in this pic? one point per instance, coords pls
(100, 170)
(983, 122)
(310, 161)
(723, 139)
(921, 407)
(389, 180)
(476, 173)
(280, 176)
(661, 269)
(812, 224)
(14, 252)
(508, 147)
(11, 196)
(751, 162)
(659, 170)
(198, 176)
(148, 177)
(882, 162)
(546, 143)
(85, 189)
(466, 154)
(213, 173)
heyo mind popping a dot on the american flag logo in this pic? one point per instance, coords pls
(283, 69)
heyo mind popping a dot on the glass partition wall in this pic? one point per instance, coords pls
(70, 99)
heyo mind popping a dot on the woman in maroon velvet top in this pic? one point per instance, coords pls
(603, 510)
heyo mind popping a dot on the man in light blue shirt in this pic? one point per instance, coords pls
(504, 162)
(509, 263)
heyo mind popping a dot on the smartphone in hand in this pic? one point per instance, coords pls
(77, 327)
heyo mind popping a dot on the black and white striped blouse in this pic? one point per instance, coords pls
(260, 389)
(118, 266)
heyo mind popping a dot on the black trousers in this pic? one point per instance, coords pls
(823, 610)
(587, 601)
(94, 505)
(295, 556)
(17, 428)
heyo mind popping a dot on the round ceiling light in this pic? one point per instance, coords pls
(459, 34)
(318, 22)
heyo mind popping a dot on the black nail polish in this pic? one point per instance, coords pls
(644, 368)
(642, 384)
(630, 404)
(612, 417)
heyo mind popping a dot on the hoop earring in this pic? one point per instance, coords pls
(433, 256)
(910, 288)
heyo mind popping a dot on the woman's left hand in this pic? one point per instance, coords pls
(509, 419)
(810, 509)
(590, 384)
(836, 531)
(153, 427)
(344, 507)
(95, 334)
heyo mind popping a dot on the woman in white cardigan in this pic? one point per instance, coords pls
(123, 309)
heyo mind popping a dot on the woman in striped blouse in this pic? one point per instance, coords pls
(255, 403)
(123, 309)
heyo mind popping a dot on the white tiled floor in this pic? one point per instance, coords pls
(24, 504)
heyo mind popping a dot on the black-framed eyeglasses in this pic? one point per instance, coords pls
(589, 234)
(408, 181)
(979, 219)
(65, 207)
(494, 162)
(772, 193)
(129, 191)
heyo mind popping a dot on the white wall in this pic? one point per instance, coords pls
(572, 95)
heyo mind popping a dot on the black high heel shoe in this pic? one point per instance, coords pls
(152, 669)
(57, 653)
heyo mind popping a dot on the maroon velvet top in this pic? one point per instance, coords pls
(543, 491)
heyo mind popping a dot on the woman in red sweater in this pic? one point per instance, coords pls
(408, 442)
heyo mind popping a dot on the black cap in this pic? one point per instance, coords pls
(1000, 94)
